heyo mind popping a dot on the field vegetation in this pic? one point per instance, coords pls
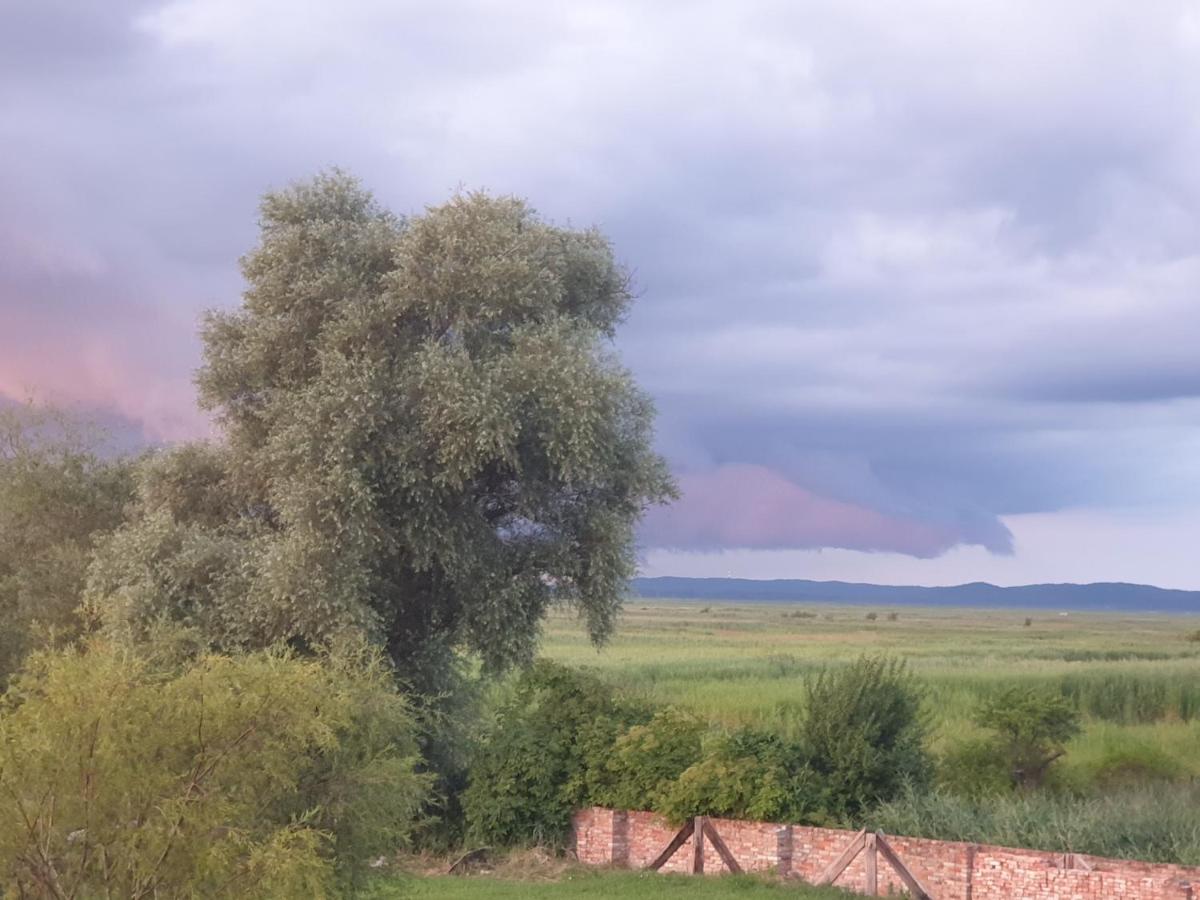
(1126, 783)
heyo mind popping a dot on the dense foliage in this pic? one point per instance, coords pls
(1030, 731)
(748, 774)
(58, 496)
(564, 740)
(640, 767)
(532, 771)
(133, 775)
(427, 440)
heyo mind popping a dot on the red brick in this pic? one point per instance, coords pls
(949, 870)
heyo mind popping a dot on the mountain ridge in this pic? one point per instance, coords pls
(1113, 596)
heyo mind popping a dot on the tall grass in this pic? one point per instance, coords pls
(1154, 823)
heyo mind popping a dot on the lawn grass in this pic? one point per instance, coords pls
(1136, 678)
(584, 882)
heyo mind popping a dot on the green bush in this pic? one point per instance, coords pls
(531, 771)
(1130, 765)
(265, 775)
(645, 760)
(863, 734)
(746, 775)
(1031, 729)
(974, 768)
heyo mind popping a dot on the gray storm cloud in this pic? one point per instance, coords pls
(904, 271)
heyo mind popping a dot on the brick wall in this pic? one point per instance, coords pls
(949, 870)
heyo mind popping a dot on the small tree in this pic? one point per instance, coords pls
(126, 775)
(1031, 729)
(58, 497)
(864, 734)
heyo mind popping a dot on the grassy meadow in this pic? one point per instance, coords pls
(1135, 677)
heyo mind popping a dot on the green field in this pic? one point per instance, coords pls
(1136, 678)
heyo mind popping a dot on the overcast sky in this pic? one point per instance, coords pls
(918, 282)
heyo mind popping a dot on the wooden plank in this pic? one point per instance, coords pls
(872, 869)
(838, 866)
(910, 880)
(465, 861)
(698, 845)
(722, 849)
(676, 842)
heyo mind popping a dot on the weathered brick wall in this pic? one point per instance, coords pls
(949, 870)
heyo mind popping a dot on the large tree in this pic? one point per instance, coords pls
(428, 438)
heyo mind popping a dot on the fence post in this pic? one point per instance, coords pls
(698, 845)
(872, 872)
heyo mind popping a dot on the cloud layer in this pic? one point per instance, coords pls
(906, 272)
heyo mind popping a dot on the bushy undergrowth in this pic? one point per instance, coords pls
(1156, 823)
(564, 740)
(129, 775)
(537, 763)
(639, 769)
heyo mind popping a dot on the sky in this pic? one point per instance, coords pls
(917, 283)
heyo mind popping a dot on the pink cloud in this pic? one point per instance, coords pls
(89, 371)
(750, 506)
(60, 357)
(77, 329)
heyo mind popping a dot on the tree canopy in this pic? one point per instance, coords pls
(427, 439)
(58, 496)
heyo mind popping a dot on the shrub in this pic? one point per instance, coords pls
(746, 775)
(1031, 728)
(974, 768)
(1126, 762)
(863, 734)
(1194, 636)
(645, 760)
(264, 775)
(872, 616)
(530, 771)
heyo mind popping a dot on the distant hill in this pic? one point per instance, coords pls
(1102, 596)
